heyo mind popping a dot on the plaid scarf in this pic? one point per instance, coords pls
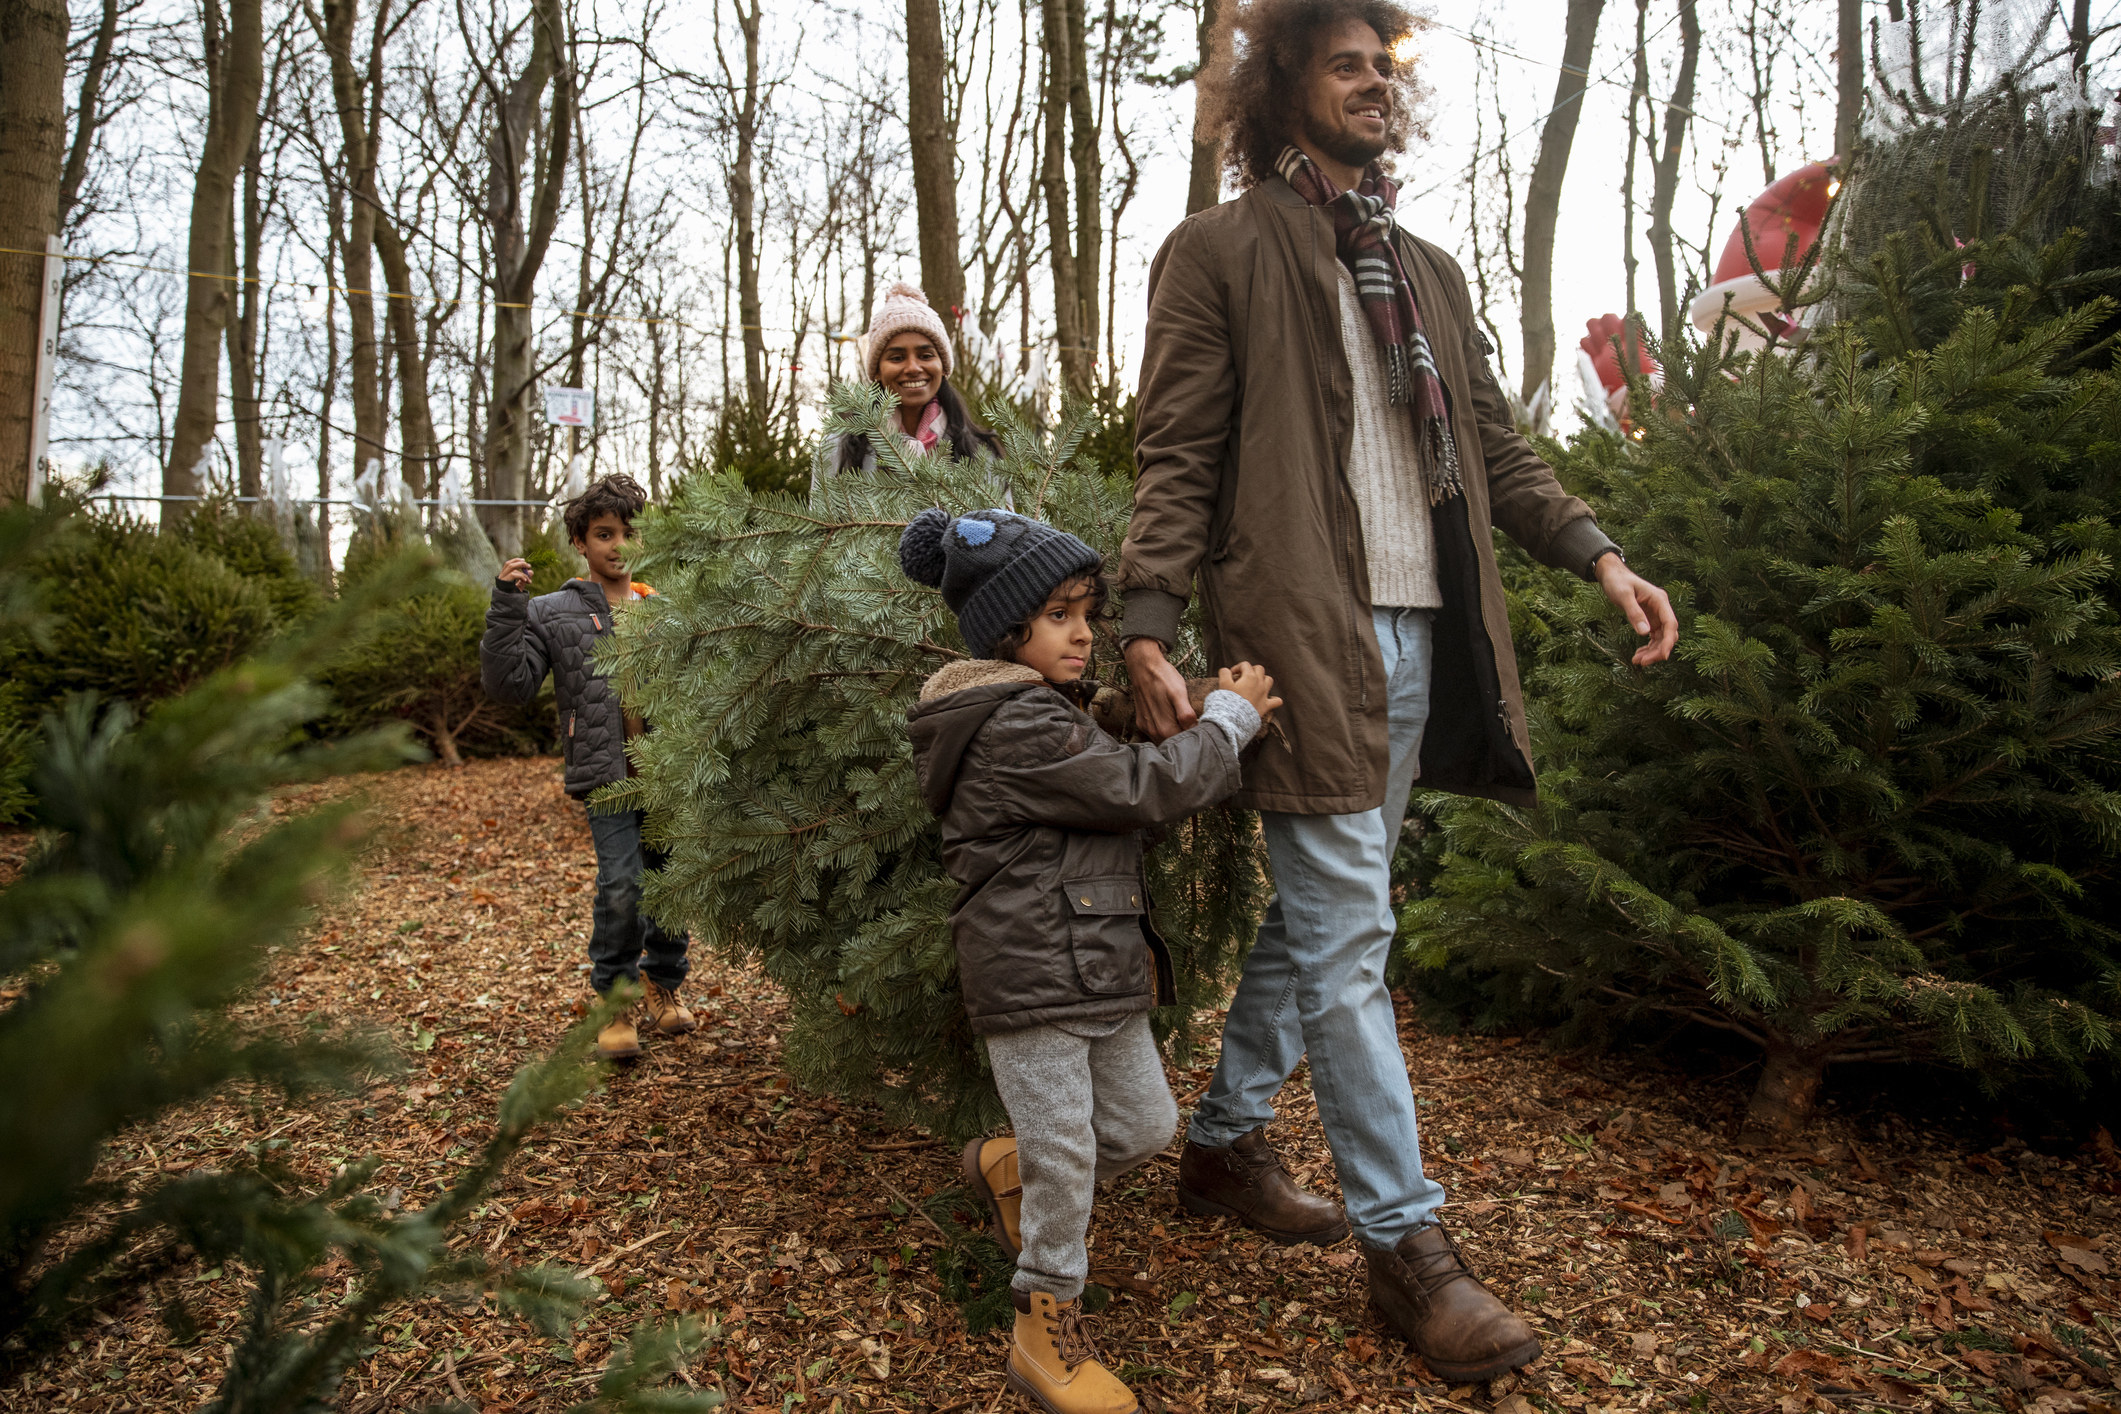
(1362, 232)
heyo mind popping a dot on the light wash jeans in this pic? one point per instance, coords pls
(1315, 980)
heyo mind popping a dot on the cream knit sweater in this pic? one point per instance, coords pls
(1397, 537)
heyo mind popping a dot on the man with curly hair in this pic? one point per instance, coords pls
(1323, 451)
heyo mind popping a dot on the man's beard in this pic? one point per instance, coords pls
(1345, 147)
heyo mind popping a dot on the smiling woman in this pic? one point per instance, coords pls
(908, 352)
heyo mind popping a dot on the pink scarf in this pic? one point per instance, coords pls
(930, 431)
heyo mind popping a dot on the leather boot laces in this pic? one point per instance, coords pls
(1431, 1272)
(1076, 1346)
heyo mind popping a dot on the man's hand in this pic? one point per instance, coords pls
(517, 573)
(1648, 609)
(1250, 681)
(1160, 705)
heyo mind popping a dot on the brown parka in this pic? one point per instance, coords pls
(1242, 439)
(1041, 818)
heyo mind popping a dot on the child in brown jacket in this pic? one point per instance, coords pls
(1041, 817)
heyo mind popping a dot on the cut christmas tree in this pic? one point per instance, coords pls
(777, 668)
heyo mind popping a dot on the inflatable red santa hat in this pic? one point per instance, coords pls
(1794, 206)
(1598, 364)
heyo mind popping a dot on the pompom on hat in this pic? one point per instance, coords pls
(903, 307)
(995, 567)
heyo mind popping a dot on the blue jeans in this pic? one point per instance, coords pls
(621, 936)
(1315, 979)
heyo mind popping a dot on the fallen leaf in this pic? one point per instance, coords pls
(1806, 1361)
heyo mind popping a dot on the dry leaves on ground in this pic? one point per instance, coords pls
(1662, 1270)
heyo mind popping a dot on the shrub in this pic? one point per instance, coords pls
(418, 660)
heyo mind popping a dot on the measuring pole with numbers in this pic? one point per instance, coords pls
(40, 418)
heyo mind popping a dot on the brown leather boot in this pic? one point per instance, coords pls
(1053, 1364)
(1426, 1293)
(1246, 1181)
(990, 1172)
(664, 1014)
(618, 1040)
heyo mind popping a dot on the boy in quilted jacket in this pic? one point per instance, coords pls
(1042, 814)
(557, 633)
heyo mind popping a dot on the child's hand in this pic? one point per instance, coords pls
(517, 573)
(1250, 681)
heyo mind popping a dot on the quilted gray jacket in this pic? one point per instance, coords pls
(556, 633)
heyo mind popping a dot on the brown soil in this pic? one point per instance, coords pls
(1662, 1269)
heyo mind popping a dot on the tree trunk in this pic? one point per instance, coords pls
(235, 68)
(421, 452)
(1205, 188)
(934, 162)
(1848, 104)
(743, 199)
(32, 149)
(349, 93)
(1787, 1094)
(1542, 199)
(243, 400)
(1068, 315)
(445, 739)
(519, 240)
(1084, 156)
(1664, 170)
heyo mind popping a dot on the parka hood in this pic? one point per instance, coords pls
(955, 703)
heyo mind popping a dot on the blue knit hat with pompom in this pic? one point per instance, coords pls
(995, 568)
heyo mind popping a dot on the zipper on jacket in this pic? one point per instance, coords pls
(570, 724)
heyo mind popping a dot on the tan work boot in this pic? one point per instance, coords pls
(1246, 1181)
(990, 1172)
(618, 1040)
(1426, 1293)
(664, 1013)
(1052, 1363)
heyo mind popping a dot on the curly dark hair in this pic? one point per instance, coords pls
(1100, 592)
(1260, 50)
(615, 495)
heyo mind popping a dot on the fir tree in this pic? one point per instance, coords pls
(777, 668)
(418, 660)
(1870, 809)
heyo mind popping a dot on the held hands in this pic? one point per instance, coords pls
(1250, 681)
(1160, 704)
(517, 573)
(1648, 608)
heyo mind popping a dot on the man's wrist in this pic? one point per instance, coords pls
(1613, 550)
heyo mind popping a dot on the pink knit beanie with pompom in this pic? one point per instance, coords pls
(903, 307)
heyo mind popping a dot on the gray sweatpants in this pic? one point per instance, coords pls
(1088, 1102)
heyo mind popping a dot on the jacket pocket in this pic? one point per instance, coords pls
(1105, 934)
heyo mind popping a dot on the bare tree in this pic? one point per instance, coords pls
(1542, 199)
(1848, 58)
(235, 75)
(32, 149)
(741, 99)
(1072, 143)
(1666, 151)
(526, 171)
(90, 111)
(1205, 186)
(934, 148)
